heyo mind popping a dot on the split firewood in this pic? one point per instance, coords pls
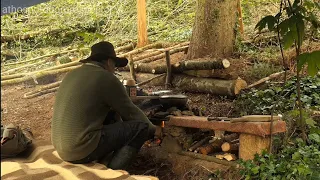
(202, 65)
(220, 156)
(230, 157)
(200, 143)
(263, 80)
(206, 85)
(227, 156)
(228, 147)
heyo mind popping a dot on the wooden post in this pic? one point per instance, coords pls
(251, 144)
(142, 23)
(132, 73)
(168, 78)
(240, 18)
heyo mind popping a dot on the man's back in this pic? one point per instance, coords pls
(79, 112)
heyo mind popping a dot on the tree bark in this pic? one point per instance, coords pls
(182, 66)
(206, 85)
(213, 32)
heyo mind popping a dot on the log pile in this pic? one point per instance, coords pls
(200, 142)
(206, 75)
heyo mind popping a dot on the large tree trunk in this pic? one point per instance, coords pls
(214, 29)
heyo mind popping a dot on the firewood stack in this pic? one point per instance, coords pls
(202, 141)
(226, 147)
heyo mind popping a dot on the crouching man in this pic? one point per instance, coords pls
(80, 129)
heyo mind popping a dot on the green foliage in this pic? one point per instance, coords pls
(300, 161)
(280, 99)
(292, 29)
(81, 23)
(313, 60)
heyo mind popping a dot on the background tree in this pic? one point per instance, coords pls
(214, 29)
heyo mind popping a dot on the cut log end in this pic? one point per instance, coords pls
(225, 63)
(239, 85)
(226, 147)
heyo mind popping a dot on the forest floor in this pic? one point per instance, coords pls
(35, 114)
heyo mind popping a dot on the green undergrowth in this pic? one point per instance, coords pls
(279, 98)
(291, 157)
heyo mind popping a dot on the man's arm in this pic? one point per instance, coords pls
(117, 98)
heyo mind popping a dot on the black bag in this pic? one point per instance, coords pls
(13, 141)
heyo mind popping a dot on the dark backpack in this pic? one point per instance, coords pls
(13, 141)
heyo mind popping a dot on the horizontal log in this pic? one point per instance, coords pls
(202, 64)
(228, 147)
(212, 147)
(254, 128)
(33, 76)
(206, 85)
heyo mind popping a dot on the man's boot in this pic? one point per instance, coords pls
(123, 158)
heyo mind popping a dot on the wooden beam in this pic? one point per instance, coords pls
(142, 23)
(240, 18)
(254, 128)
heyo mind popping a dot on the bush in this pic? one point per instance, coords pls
(280, 99)
(297, 161)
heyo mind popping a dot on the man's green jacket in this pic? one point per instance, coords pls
(82, 103)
